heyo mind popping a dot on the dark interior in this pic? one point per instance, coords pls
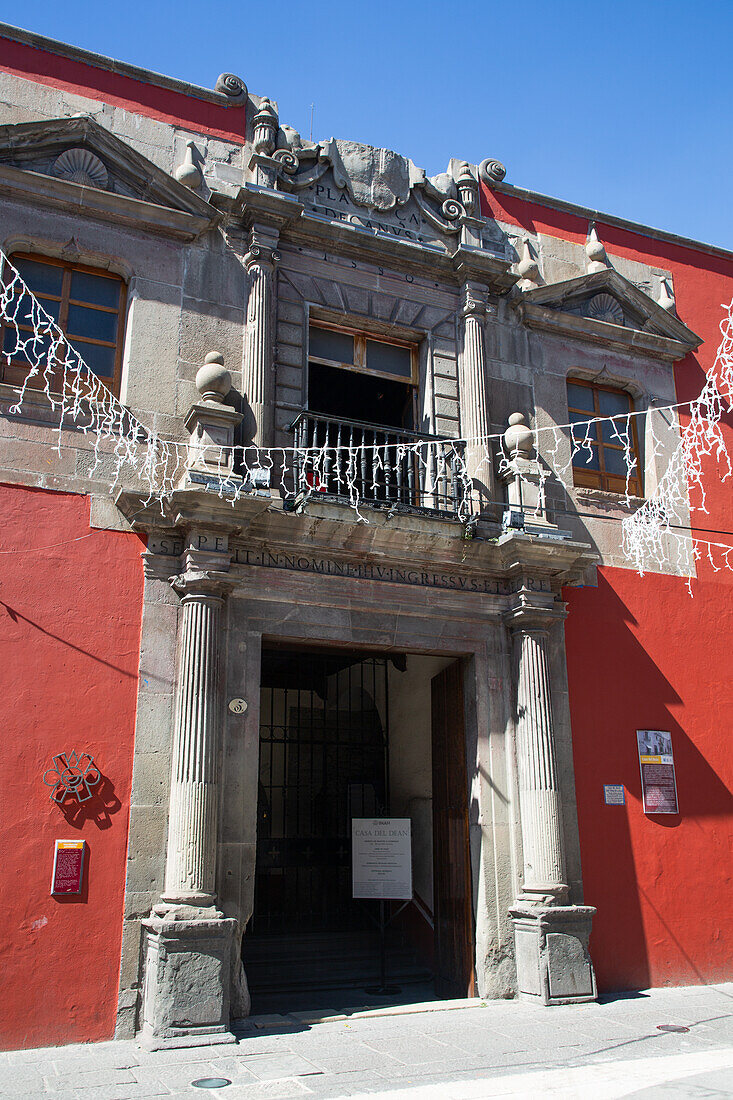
(349, 395)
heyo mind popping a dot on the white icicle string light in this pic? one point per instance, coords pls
(430, 471)
(647, 534)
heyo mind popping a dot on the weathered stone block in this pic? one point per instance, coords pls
(187, 980)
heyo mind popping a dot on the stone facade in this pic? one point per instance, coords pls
(236, 248)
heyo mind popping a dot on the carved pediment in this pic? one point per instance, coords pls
(375, 189)
(79, 153)
(606, 308)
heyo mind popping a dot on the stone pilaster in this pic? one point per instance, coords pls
(551, 936)
(259, 380)
(475, 417)
(188, 941)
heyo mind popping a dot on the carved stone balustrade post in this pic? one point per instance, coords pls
(211, 422)
(522, 474)
(188, 945)
(551, 936)
(475, 417)
(259, 382)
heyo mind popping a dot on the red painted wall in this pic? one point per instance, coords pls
(642, 654)
(71, 616)
(165, 104)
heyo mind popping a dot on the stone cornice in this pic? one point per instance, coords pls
(106, 206)
(627, 340)
(101, 61)
(332, 530)
(298, 225)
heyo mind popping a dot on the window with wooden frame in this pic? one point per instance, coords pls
(87, 304)
(381, 382)
(604, 466)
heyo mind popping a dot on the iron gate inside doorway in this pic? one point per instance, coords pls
(323, 760)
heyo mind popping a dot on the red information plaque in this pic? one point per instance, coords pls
(68, 866)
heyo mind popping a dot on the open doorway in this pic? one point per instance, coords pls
(347, 734)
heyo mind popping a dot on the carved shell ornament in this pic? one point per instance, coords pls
(604, 307)
(80, 166)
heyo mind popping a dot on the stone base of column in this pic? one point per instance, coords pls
(187, 978)
(551, 948)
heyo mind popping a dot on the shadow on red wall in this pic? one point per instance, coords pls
(661, 883)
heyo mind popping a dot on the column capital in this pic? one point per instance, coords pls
(473, 300)
(204, 574)
(532, 612)
(262, 251)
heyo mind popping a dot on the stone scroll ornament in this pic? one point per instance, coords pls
(653, 535)
(73, 775)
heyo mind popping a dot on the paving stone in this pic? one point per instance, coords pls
(272, 1067)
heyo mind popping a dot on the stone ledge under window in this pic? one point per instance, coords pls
(606, 499)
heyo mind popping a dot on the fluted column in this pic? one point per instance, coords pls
(258, 380)
(475, 418)
(539, 796)
(194, 797)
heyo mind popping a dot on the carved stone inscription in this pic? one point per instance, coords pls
(365, 571)
(406, 223)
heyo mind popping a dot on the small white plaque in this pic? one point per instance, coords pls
(614, 794)
(237, 706)
(381, 857)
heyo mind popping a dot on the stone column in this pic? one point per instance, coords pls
(188, 941)
(542, 839)
(194, 798)
(475, 418)
(550, 935)
(258, 377)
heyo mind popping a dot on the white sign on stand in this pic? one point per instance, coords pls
(381, 858)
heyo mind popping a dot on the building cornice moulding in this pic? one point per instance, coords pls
(122, 68)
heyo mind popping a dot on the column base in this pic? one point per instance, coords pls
(187, 979)
(551, 947)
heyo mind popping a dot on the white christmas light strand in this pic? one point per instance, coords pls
(385, 471)
(646, 535)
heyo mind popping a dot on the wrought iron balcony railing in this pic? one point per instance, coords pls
(383, 467)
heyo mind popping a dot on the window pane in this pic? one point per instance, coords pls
(612, 403)
(326, 344)
(99, 360)
(580, 397)
(389, 359)
(36, 347)
(91, 322)
(25, 314)
(582, 429)
(95, 289)
(41, 278)
(615, 462)
(584, 461)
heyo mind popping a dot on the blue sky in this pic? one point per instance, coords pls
(623, 106)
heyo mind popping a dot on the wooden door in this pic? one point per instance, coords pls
(454, 951)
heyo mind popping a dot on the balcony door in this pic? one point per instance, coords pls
(355, 377)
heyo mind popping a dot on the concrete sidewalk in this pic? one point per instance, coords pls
(434, 1051)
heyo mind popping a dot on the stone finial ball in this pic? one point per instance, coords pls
(213, 380)
(518, 437)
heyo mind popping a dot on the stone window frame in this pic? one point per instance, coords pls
(7, 374)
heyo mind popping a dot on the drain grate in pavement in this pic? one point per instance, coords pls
(672, 1027)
